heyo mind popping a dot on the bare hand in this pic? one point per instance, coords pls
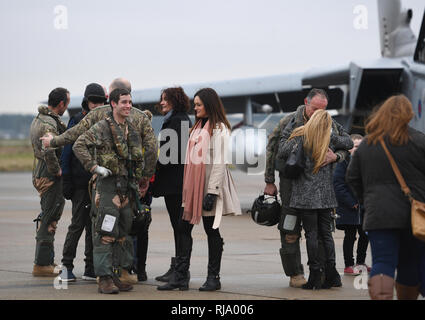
(270, 189)
(329, 158)
(59, 174)
(143, 186)
(46, 139)
(52, 227)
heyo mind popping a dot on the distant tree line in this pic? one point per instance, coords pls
(15, 126)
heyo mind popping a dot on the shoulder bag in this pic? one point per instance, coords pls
(418, 208)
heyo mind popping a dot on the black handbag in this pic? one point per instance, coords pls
(295, 164)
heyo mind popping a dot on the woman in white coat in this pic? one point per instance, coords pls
(208, 190)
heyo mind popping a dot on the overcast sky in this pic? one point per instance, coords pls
(169, 42)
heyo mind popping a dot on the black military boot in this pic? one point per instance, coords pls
(215, 251)
(166, 277)
(314, 280)
(332, 278)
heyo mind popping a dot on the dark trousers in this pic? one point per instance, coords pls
(141, 241)
(317, 224)
(396, 249)
(185, 242)
(80, 221)
(173, 202)
(350, 232)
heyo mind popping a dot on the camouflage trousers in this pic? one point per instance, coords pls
(52, 203)
(112, 221)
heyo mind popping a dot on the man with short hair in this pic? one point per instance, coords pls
(139, 119)
(112, 149)
(289, 226)
(47, 180)
(75, 188)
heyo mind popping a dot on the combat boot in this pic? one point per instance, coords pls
(297, 281)
(128, 278)
(45, 271)
(107, 286)
(332, 278)
(121, 285)
(166, 277)
(314, 280)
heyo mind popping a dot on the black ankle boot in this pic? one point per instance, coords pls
(182, 284)
(166, 277)
(314, 280)
(332, 278)
(212, 284)
(180, 277)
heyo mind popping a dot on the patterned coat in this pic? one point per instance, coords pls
(97, 147)
(272, 148)
(46, 161)
(138, 119)
(309, 190)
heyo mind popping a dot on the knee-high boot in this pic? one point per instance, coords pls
(215, 251)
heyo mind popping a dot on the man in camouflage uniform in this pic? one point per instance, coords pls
(47, 180)
(290, 245)
(140, 120)
(112, 150)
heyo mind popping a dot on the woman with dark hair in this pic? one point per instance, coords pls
(387, 218)
(208, 190)
(174, 104)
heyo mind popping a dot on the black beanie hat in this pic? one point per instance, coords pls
(94, 92)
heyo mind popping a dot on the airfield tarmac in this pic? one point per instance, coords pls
(251, 267)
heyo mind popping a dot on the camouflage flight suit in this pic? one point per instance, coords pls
(290, 240)
(140, 121)
(46, 181)
(112, 199)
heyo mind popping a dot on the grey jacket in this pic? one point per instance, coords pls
(313, 191)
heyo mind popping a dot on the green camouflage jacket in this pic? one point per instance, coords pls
(138, 119)
(46, 161)
(97, 146)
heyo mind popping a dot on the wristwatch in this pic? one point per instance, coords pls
(338, 157)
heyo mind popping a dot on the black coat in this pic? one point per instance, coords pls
(345, 197)
(169, 177)
(372, 179)
(72, 169)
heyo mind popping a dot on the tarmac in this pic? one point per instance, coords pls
(251, 267)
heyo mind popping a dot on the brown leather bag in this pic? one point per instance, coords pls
(418, 208)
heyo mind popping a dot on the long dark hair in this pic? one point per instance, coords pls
(213, 107)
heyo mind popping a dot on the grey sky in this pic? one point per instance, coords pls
(165, 42)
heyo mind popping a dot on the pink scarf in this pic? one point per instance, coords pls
(194, 172)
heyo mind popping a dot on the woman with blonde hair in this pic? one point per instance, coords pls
(312, 193)
(387, 218)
